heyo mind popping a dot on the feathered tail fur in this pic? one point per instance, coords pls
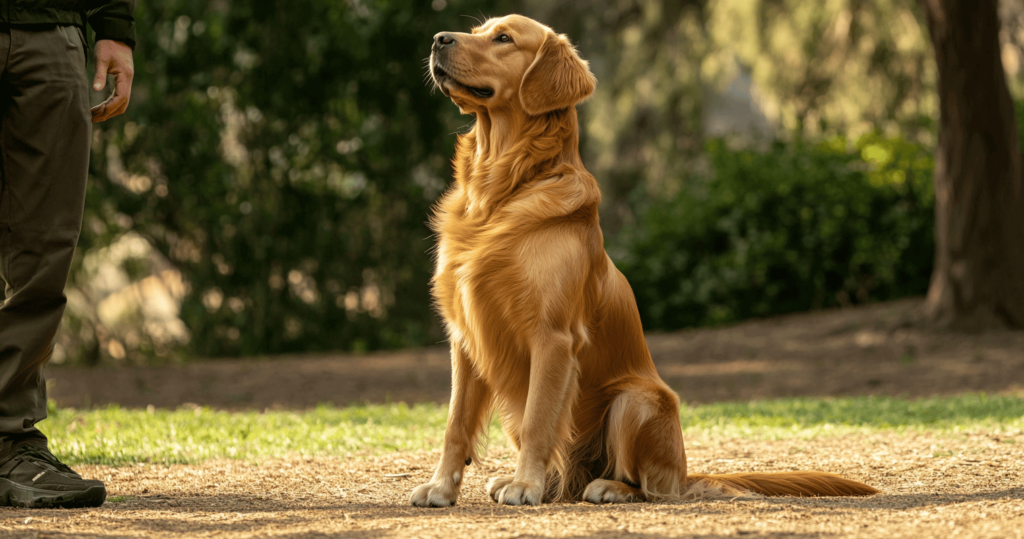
(774, 484)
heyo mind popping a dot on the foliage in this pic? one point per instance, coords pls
(278, 160)
(1019, 106)
(827, 67)
(672, 73)
(116, 436)
(796, 227)
(283, 156)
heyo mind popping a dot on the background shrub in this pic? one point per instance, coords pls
(283, 158)
(795, 227)
(267, 190)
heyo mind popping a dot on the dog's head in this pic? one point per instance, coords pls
(510, 62)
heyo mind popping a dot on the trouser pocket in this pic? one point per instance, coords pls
(75, 40)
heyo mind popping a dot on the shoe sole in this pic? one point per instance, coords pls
(16, 495)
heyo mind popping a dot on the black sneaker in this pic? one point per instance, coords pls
(30, 476)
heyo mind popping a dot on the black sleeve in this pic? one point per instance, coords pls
(112, 19)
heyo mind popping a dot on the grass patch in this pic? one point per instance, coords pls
(816, 417)
(117, 436)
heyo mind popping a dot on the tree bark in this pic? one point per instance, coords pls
(978, 280)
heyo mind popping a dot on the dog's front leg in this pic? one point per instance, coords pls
(546, 421)
(466, 414)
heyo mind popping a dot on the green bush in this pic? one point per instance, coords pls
(284, 157)
(1019, 105)
(799, 226)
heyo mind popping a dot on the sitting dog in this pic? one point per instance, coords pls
(542, 325)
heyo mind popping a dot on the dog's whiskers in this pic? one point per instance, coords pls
(464, 129)
(478, 21)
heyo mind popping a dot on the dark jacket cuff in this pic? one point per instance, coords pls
(114, 28)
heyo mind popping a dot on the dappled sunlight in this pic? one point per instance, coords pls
(126, 297)
(287, 175)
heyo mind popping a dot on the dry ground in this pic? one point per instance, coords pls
(971, 489)
(964, 485)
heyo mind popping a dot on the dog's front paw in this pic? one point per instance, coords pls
(495, 484)
(435, 493)
(508, 492)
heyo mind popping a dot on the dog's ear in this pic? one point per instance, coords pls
(557, 79)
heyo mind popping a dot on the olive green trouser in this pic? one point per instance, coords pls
(45, 127)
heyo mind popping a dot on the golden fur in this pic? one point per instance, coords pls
(542, 325)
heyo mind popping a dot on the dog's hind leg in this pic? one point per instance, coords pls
(470, 400)
(644, 446)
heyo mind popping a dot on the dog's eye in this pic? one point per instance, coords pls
(503, 38)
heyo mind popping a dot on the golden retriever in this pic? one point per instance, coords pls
(542, 325)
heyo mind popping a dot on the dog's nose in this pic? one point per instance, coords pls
(442, 39)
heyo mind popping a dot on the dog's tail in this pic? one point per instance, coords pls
(774, 484)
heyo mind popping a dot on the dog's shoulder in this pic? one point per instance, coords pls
(567, 192)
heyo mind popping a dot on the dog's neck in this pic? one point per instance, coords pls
(504, 151)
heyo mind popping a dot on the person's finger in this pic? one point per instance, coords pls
(105, 110)
(120, 109)
(123, 85)
(116, 103)
(99, 81)
(99, 112)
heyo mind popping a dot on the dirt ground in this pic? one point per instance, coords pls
(966, 485)
(963, 485)
(860, 351)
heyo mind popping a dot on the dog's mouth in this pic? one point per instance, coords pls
(440, 76)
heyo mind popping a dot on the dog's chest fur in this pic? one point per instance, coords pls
(513, 260)
(476, 286)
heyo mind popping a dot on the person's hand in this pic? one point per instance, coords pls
(116, 58)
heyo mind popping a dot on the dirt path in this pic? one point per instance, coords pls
(964, 486)
(865, 350)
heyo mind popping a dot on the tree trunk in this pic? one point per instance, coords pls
(978, 281)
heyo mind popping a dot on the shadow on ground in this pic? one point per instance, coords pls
(233, 515)
(922, 496)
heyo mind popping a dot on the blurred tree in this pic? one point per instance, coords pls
(1011, 40)
(978, 281)
(283, 156)
(279, 159)
(842, 66)
(794, 67)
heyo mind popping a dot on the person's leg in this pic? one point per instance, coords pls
(44, 152)
(44, 160)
